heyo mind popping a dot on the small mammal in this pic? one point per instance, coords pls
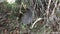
(27, 17)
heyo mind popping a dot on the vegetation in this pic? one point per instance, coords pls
(30, 17)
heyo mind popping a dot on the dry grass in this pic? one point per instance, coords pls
(45, 17)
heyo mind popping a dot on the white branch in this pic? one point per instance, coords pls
(36, 22)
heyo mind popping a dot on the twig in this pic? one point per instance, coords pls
(48, 7)
(36, 22)
(54, 7)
